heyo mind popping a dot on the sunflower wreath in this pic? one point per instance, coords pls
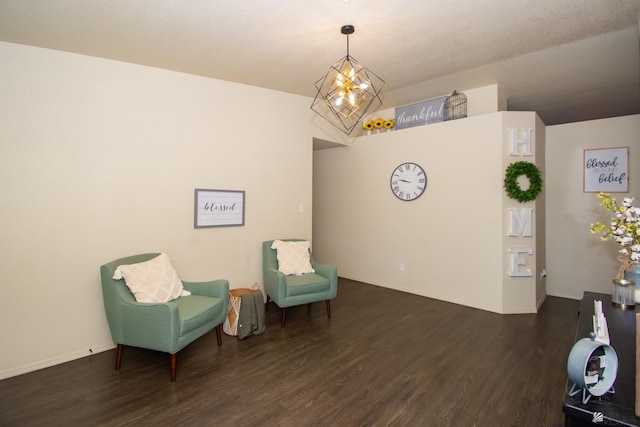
(511, 181)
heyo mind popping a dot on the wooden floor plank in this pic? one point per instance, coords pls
(386, 358)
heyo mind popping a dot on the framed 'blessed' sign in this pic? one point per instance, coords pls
(606, 169)
(218, 208)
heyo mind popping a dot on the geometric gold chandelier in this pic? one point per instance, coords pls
(348, 92)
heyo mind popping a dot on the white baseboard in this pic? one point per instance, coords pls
(541, 301)
(41, 364)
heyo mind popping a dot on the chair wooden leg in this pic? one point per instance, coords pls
(118, 356)
(266, 304)
(328, 308)
(284, 316)
(173, 366)
(219, 334)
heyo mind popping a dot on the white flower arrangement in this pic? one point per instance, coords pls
(624, 228)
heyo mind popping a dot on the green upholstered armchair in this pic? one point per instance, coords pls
(166, 327)
(291, 290)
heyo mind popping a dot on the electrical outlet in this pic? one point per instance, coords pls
(401, 266)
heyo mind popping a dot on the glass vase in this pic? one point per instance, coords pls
(623, 293)
(633, 274)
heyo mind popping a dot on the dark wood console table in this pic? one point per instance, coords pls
(617, 409)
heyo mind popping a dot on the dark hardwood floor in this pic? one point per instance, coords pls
(386, 358)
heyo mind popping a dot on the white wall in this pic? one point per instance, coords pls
(577, 260)
(452, 240)
(99, 159)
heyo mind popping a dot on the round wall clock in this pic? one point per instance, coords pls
(408, 181)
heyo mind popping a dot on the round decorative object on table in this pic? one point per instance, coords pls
(592, 367)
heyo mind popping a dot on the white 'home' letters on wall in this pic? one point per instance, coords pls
(520, 222)
(516, 262)
(520, 138)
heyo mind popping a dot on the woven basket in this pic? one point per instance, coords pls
(230, 325)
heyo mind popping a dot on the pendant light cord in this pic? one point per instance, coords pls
(347, 45)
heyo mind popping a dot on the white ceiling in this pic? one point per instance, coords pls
(569, 60)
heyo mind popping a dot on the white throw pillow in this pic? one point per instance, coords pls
(293, 257)
(152, 281)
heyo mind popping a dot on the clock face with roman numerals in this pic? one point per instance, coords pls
(408, 181)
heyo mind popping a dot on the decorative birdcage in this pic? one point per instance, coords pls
(455, 106)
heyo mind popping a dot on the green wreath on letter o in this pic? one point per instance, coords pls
(511, 181)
